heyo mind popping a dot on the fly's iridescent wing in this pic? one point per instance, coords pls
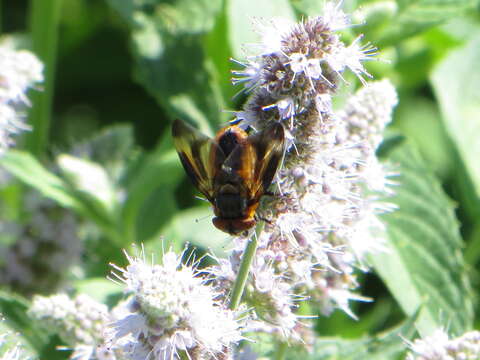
(201, 157)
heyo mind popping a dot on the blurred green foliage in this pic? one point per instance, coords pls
(118, 73)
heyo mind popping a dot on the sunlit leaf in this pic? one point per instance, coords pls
(100, 289)
(241, 17)
(195, 226)
(424, 268)
(90, 178)
(110, 148)
(413, 16)
(456, 82)
(387, 345)
(30, 171)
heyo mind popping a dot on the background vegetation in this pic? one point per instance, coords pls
(119, 71)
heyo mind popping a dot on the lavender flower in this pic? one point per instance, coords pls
(173, 311)
(80, 322)
(43, 251)
(324, 219)
(438, 346)
(19, 71)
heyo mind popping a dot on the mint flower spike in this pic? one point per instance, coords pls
(440, 346)
(19, 71)
(173, 312)
(49, 242)
(325, 216)
(80, 322)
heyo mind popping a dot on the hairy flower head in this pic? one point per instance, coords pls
(173, 310)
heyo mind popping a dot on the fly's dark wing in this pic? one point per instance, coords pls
(256, 161)
(201, 157)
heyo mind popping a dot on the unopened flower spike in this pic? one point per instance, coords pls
(81, 323)
(323, 220)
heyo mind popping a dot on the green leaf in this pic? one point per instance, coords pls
(91, 179)
(155, 213)
(159, 171)
(221, 55)
(414, 16)
(14, 309)
(194, 226)
(25, 167)
(241, 14)
(419, 118)
(100, 289)
(456, 82)
(167, 42)
(112, 148)
(388, 345)
(423, 267)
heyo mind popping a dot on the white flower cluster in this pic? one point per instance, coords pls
(438, 346)
(81, 323)
(323, 219)
(78, 321)
(173, 313)
(19, 71)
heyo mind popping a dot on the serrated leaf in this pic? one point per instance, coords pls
(25, 167)
(456, 82)
(424, 268)
(414, 16)
(241, 14)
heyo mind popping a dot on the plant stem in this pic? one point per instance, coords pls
(244, 270)
(44, 19)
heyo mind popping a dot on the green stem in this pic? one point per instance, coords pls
(281, 351)
(44, 19)
(244, 270)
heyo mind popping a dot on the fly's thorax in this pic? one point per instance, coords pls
(229, 138)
